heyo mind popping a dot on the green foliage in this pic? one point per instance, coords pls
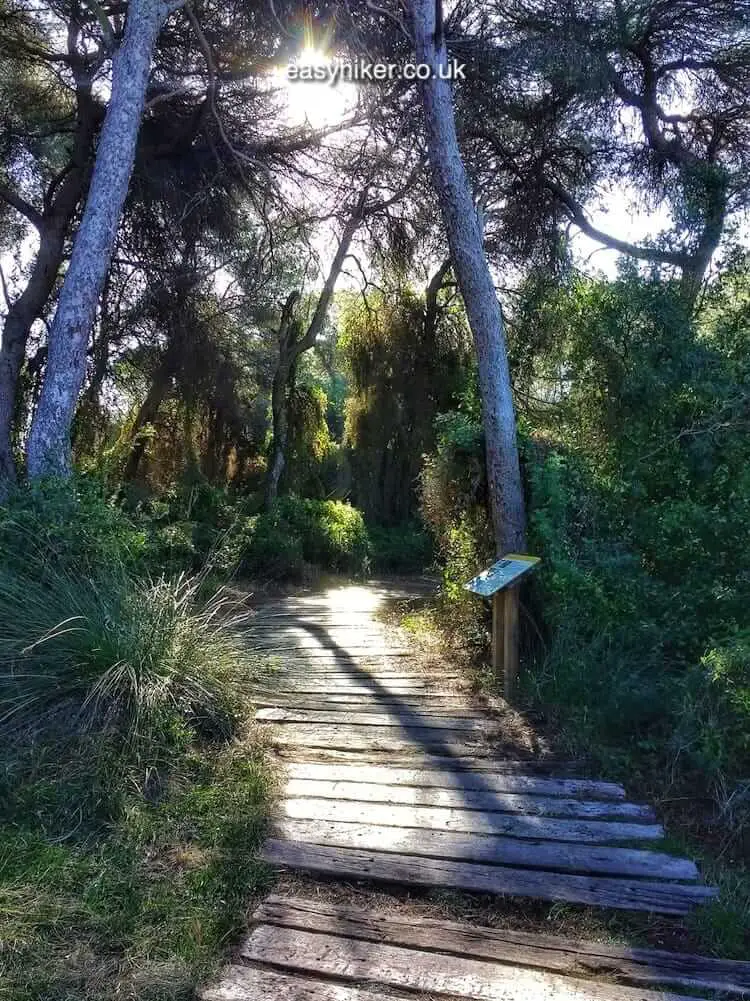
(639, 501)
(452, 495)
(401, 549)
(71, 525)
(142, 909)
(636, 459)
(114, 650)
(714, 730)
(329, 535)
(404, 365)
(132, 821)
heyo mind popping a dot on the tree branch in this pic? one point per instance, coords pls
(578, 216)
(21, 205)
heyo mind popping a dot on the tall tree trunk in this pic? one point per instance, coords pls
(49, 440)
(280, 439)
(280, 400)
(472, 272)
(290, 349)
(53, 226)
(148, 412)
(18, 323)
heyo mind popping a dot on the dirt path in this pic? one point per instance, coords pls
(394, 773)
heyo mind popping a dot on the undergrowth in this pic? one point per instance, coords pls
(635, 460)
(134, 802)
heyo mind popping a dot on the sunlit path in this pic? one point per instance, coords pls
(395, 773)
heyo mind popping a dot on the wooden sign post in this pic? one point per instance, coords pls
(501, 583)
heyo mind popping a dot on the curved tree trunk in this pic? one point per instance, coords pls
(49, 441)
(472, 272)
(290, 350)
(53, 227)
(18, 323)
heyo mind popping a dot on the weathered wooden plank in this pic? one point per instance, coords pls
(376, 738)
(318, 667)
(447, 778)
(364, 673)
(397, 717)
(388, 691)
(392, 966)
(281, 683)
(492, 849)
(417, 759)
(412, 870)
(562, 955)
(315, 649)
(466, 799)
(247, 983)
(469, 821)
(437, 706)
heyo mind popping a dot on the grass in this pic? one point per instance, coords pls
(145, 906)
(133, 795)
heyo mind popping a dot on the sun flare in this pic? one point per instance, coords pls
(319, 103)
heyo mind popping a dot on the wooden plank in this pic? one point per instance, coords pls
(380, 690)
(371, 703)
(393, 966)
(398, 717)
(562, 955)
(376, 738)
(379, 651)
(469, 821)
(373, 673)
(599, 891)
(417, 759)
(467, 799)
(492, 849)
(246, 983)
(392, 690)
(448, 779)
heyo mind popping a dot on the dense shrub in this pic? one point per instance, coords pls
(639, 501)
(453, 503)
(131, 825)
(637, 465)
(329, 535)
(401, 548)
(714, 728)
(88, 644)
(68, 526)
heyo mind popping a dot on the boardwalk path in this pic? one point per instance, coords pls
(396, 774)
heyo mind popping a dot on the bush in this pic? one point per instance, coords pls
(329, 535)
(401, 548)
(87, 645)
(115, 651)
(68, 525)
(128, 854)
(714, 731)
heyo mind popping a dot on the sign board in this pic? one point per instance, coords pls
(502, 574)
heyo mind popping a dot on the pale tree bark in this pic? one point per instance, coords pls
(292, 346)
(470, 266)
(49, 440)
(53, 224)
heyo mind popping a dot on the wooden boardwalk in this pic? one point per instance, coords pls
(309, 950)
(395, 773)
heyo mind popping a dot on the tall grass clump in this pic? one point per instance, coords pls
(133, 800)
(93, 646)
(114, 652)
